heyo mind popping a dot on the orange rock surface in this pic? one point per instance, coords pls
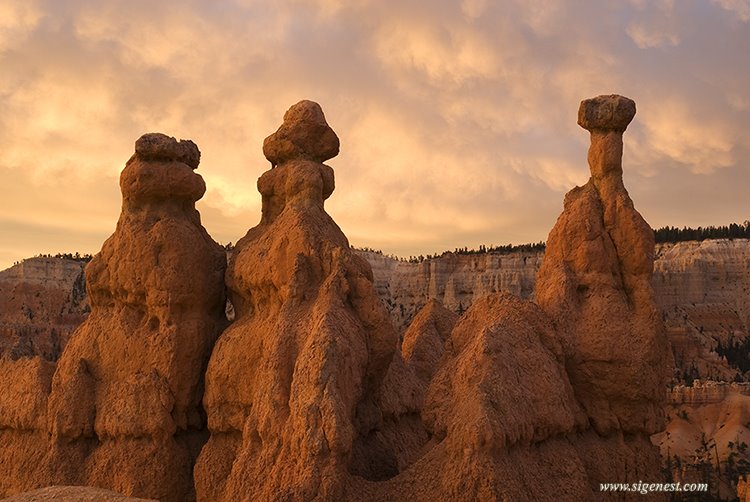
(425, 339)
(124, 407)
(595, 282)
(72, 494)
(308, 394)
(290, 382)
(42, 301)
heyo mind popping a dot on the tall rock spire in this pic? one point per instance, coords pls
(290, 382)
(124, 411)
(595, 282)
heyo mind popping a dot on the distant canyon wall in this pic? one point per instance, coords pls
(455, 280)
(42, 301)
(697, 284)
(703, 393)
(702, 289)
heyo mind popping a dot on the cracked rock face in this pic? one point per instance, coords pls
(124, 410)
(289, 383)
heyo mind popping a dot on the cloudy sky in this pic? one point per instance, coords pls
(457, 119)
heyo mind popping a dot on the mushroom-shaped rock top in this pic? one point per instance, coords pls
(162, 168)
(608, 112)
(304, 134)
(155, 146)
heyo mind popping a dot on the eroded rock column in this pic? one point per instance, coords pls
(290, 382)
(125, 409)
(595, 282)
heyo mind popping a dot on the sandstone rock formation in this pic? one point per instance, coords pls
(521, 387)
(702, 393)
(23, 424)
(707, 426)
(308, 394)
(700, 288)
(595, 282)
(124, 411)
(399, 438)
(500, 414)
(309, 398)
(290, 383)
(500, 389)
(42, 301)
(743, 490)
(424, 341)
(703, 291)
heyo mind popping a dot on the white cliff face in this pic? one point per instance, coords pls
(703, 276)
(42, 271)
(697, 285)
(702, 393)
(455, 280)
(702, 289)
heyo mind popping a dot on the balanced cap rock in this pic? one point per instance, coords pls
(606, 117)
(162, 170)
(159, 147)
(304, 134)
(609, 113)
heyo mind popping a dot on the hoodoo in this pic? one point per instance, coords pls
(308, 394)
(291, 381)
(595, 282)
(124, 411)
(547, 401)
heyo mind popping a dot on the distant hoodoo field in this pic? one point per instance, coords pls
(344, 375)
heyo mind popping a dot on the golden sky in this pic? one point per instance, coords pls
(457, 119)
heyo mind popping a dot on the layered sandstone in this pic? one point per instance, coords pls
(291, 383)
(703, 291)
(707, 426)
(124, 409)
(455, 280)
(702, 393)
(42, 301)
